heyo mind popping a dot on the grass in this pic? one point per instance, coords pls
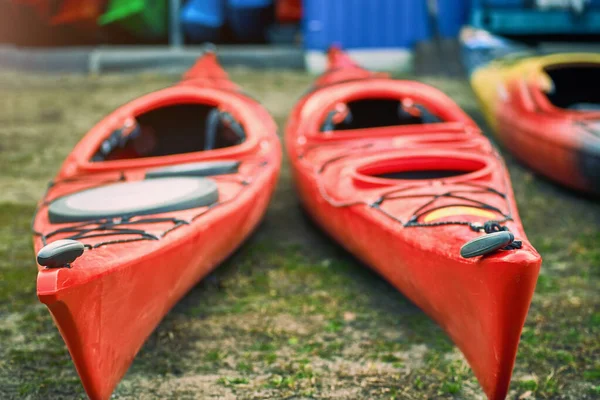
(290, 314)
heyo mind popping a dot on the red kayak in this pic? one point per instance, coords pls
(399, 175)
(150, 201)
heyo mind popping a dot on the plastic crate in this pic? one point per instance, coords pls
(203, 20)
(379, 34)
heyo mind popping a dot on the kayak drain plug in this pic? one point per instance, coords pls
(486, 244)
(60, 254)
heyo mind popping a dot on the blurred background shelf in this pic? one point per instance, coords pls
(131, 59)
(398, 35)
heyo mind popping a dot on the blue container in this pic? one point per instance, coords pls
(249, 19)
(364, 24)
(203, 20)
(512, 17)
(451, 16)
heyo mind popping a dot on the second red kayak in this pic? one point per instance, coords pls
(399, 175)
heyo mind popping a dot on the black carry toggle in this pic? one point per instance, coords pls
(497, 237)
(60, 254)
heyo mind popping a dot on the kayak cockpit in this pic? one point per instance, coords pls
(570, 86)
(170, 130)
(369, 113)
(421, 167)
(424, 188)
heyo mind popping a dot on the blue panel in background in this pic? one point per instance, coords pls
(364, 24)
(203, 20)
(451, 16)
(249, 19)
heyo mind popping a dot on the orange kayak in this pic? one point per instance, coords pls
(150, 201)
(400, 176)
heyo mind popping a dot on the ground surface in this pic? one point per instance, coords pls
(291, 315)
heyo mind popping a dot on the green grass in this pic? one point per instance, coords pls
(290, 314)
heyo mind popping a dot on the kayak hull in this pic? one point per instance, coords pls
(480, 302)
(110, 299)
(560, 144)
(103, 337)
(485, 329)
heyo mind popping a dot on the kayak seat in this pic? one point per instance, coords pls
(169, 130)
(197, 169)
(376, 113)
(219, 123)
(127, 199)
(572, 83)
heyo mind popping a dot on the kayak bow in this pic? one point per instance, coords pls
(150, 201)
(400, 176)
